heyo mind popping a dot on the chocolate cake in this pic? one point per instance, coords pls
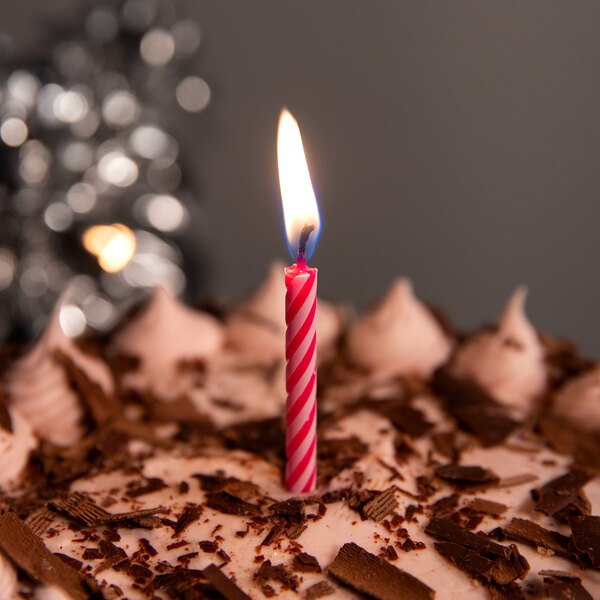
(149, 465)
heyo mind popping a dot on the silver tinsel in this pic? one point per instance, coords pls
(92, 207)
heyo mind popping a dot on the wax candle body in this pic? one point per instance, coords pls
(301, 377)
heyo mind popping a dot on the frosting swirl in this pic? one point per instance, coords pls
(165, 334)
(38, 386)
(507, 362)
(399, 336)
(579, 400)
(15, 447)
(256, 329)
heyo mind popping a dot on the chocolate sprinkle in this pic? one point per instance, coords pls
(586, 537)
(29, 553)
(381, 506)
(375, 576)
(223, 584)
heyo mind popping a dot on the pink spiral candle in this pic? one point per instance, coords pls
(301, 377)
(302, 224)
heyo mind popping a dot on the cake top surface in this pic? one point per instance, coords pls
(448, 467)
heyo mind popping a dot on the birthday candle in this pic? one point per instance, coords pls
(301, 216)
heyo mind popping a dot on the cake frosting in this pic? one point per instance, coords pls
(256, 328)
(165, 334)
(8, 579)
(185, 478)
(399, 336)
(15, 447)
(579, 400)
(38, 386)
(508, 361)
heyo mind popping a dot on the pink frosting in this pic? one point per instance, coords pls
(399, 336)
(507, 362)
(38, 387)
(579, 400)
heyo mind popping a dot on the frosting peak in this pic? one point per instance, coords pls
(165, 333)
(257, 327)
(39, 388)
(507, 362)
(399, 336)
(579, 400)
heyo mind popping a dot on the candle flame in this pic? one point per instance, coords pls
(113, 245)
(297, 195)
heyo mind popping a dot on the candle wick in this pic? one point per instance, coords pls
(304, 235)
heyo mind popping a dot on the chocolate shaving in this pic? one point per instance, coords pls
(39, 520)
(557, 494)
(208, 546)
(488, 507)
(517, 480)
(114, 556)
(295, 530)
(586, 537)
(306, 563)
(444, 506)
(568, 438)
(78, 507)
(279, 573)
(151, 484)
(230, 505)
(318, 590)
(466, 474)
(187, 517)
(375, 576)
(535, 535)
(82, 508)
(507, 562)
(290, 509)
(244, 490)
(101, 407)
(565, 588)
(334, 456)
(28, 552)
(273, 533)
(381, 506)
(476, 564)
(406, 419)
(223, 584)
(261, 437)
(473, 408)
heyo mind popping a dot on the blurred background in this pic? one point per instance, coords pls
(456, 143)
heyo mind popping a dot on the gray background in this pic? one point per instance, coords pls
(456, 142)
